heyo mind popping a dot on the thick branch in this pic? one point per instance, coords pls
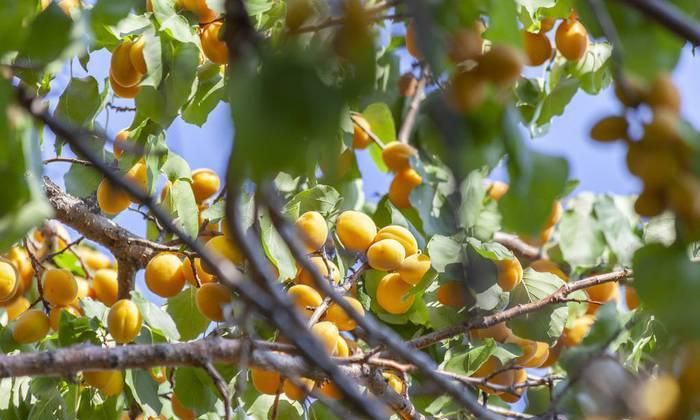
(517, 245)
(670, 17)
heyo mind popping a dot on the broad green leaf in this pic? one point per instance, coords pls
(321, 198)
(73, 330)
(490, 250)
(446, 255)
(155, 317)
(661, 229)
(186, 207)
(81, 101)
(276, 249)
(543, 325)
(381, 122)
(175, 167)
(582, 242)
(94, 309)
(82, 181)
(183, 311)
(69, 261)
(555, 102)
(207, 96)
(473, 192)
(593, 70)
(13, 30)
(108, 13)
(195, 389)
(49, 35)
(618, 232)
(144, 389)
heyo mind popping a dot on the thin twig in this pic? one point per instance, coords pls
(221, 386)
(50, 256)
(409, 120)
(117, 108)
(368, 131)
(349, 281)
(68, 160)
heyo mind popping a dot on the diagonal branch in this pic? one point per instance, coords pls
(409, 120)
(667, 15)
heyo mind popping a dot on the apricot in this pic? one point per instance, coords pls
(486, 370)
(650, 203)
(296, 392)
(535, 353)
(123, 91)
(631, 297)
(658, 397)
(548, 266)
(663, 94)
(124, 321)
(265, 381)
(683, 195)
(571, 38)
(106, 286)
(298, 12)
(609, 129)
(453, 293)
(59, 286)
(385, 255)
(121, 68)
(411, 45)
(305, 277)
(546, 24)
(83, 290)
(223, 247)
(401, 186)
(510, 273)
(340, 318)
(397, 156)
(138, 175)
(414, 267)
(466, 91)
(496, 190)
(180, 411)
(537, 48)
(201, 9)
(109, 382)
(159, 374)
(554, 352)
(574, 334)
(341, 347)
(501, 65)
(213, 46)
(519, 377)
(55, 315)
(465, 44)
(555, 215)
(392, 294)
(634, 93)
(603, 292)
(17, 308)
(9, 281)
(355, 230)
(394, 382)
(205, 183)
(204, 277)
(328, 333)
(499, 332)
(360, 138)
(20, 259)
(112, 200)
(313, 230)
(306, 298)
(93, 259)
(663, 128)
(407, 85)
(136, 55)
(164, 275)
(31, 326)
(329, 390)
(400, 234)
(121, 138)
(211, 299)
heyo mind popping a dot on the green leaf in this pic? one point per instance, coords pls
(318, 411)
(183, 311)
(175, 167)
(186, 207)
(491, 250)
(178, 83)
(82, 181)
(13, 30)
(49, 35)
(276, 249)
(155, 317)
(381, 122)
(503, 22)
(321, 198)
(81, 101)
(69, 261)
(473, 192)
(94, 309)
(619, 233)
(195, 389)
(107, 13)
(593, 70)
(543, 325)
(73, 330)
(144, 389)
(178, 28)
(581, 241)
(661, 229)
(208, 95)
(446, 255)
(555, 102)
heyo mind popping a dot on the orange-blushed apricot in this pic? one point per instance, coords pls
(574, 334)
(487, 370)
(17, 308)
(392, 294)
(211, 299)
(205, 183)
(93, 259)
(106, 286)
(554, 215)
(124, 321)
(510, 273)
(123, 91)
(328, 334)
(297, 392)
(609, 129)
(546, 24)
(631, 297)
(414, 267)
(306, 298)
(401, 186)
(400, 234)
(55, 315)
(189, 272)
(385, 255)
(571, 39)
(313, 230)
(520, 377)
(554, 352)
(454, 294)
(111, 199)
(20, 259)
(499, 332)
(360, 138)
(664, 94)
(201, 9)
(109, 382)
(466, 91)
(465, 44)
(340, 318)
(9, 281)
(305, 277)
(265, 381)
(397, 156)
(136, 55)
(223, 247)
(121, 138)
(213, 46)
(537, 48)
(121, 68)
(60, 287)
(548, 266)
(496, 190)
(501, 65)
(355, 230)
(164, 275)
(603, 292)
(535, 353)
(31, 326)
(329, 390)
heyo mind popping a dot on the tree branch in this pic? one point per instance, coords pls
(517, 245)
(410, 119)
(667, 15)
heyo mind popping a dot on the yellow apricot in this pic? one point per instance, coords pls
(633, 94)
(93, 259)
(360, 138)
(392, 294)
(496, 190)
(465, 44)
(55, 315)
(548, 266)
(305, 277)
(121, 68)
(211, 298)
(201, 9)
(488, 368)
(265, 381)
(499, 332)
(306, 298)
(604, 292)
(554, 352)
(341, 347)
(164, 275)
(213, 46)
(31, 326)
(394, 382)
(340, 318)
(401, 186)
(385, 255)
(9, 281)
(60, 287)
(312, 229)
(204, 277)
(180, 411)
(610, 129)
(109, 382)
(20, 259)
(683, 194)
(411, 44)
(158, 373)
(658, 397)
(123, 91)
(501, 65)
(574, 334)
(295, 392)
(106, 286)
(414, 267)
(631, 297)
(328, 333)
(535, 353)
(136, 56)
(571, 39)
(355, 230)
(546, 24)
(124, 321)
(510, 274)
(397, 156)
(138, 174)
(205, 183)
(663, 128)
(223, 247)
(466, 91)
(121, 138)
(400, 234)
(17, 308)
(664, 94)
(519, 377)
(555, 215)
(112, 200)
(537, 48)
(453, 293)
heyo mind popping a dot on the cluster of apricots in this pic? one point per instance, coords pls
(112, 199)
(571, 39)
(659, 156)
(127, 67)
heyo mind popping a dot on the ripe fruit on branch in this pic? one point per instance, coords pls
(9, 281)
(164, 275)
(604, 292)
(109, 382)
(297, 393)
(453, 293)
(123, 91)
(305, 277)
(265, 381)
(328, 333)
(392, 294)
(223, 247)
(385, 255)
(466, 91)
(306, 298)
(213, 46)
(631, 297)
(211, 299)
(205, 183)
(510, 273)
(414, 267)
(355, 230)
(17, 308)
(136, 56)
(555, 215)
(487, 370)
(31, 326)
(341, 347)
(20, 260)
(313, 230)
(55, 315)
(578, 329)
(535, 353)
(548, 266)
(124, 321)
(401, 186)
(340, 318)
(121, 138)
(651, 202)
(400, 234)
(537, 48)
(465, 44)
(121, 69)
(112, 200)
(499, 332)
(360, 138)
(663, 94)
(138, 174)
(199, 8)
(519, 377)
(571, 39)
(547, 24)
(204, 277)
(397, 156)
(394, 382)
(610, 129)
(106, 286)
(501, 65)
(60, 287)
(329, 390)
